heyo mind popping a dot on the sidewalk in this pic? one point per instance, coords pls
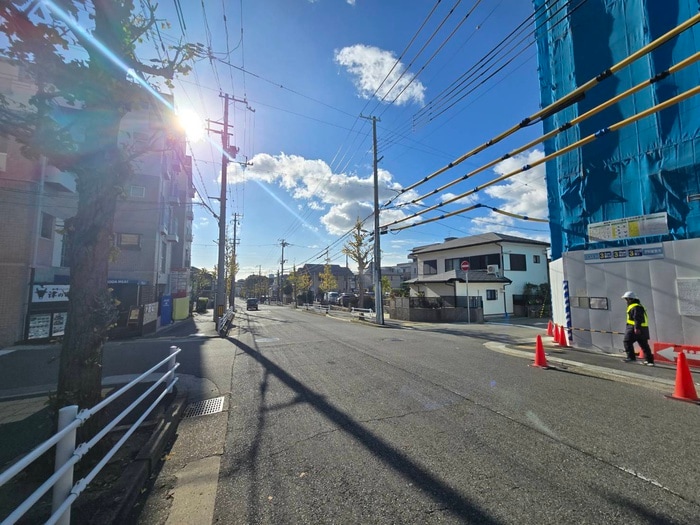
(25, 422)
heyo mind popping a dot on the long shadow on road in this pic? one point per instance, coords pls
(452, 500)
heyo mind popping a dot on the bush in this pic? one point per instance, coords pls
(202, 304)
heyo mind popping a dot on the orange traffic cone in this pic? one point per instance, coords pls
(563, 338)
(540, 358)
(550, 328)
(685, 389)
(556, 334)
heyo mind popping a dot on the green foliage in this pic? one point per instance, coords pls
(255, 286)
(73, 121)
(386, 285)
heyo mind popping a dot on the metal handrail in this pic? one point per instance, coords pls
(61, 509)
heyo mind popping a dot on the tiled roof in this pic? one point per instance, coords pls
(475, 240)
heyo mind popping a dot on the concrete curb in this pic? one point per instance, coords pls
(588, 369)
(137, 474)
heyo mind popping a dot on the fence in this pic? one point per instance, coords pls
(362, 312)
(67, 455)
(317, 307)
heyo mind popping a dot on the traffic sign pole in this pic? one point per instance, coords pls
(464, 265)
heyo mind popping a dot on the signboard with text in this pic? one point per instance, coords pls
(636, 253)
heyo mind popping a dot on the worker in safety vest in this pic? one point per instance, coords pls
(637, 329)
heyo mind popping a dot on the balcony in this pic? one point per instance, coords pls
(60, 180)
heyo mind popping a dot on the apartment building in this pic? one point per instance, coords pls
(149, 274)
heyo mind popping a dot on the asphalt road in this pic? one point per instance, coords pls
(338, 422)
(328, 421)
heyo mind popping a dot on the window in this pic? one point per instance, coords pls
(536, 259)
(454, 264)
(47, 225)
(430, 267)
(476, 262)
(491, 295)
(137, 191)
(129, 241)
(518, 262)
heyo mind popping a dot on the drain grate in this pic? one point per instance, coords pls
(204, 408)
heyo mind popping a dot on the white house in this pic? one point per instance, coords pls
(497, 267)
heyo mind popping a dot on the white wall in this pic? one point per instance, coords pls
(656, 283)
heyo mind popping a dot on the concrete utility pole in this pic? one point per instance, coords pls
(283, 243)
(232, 297)
(227, 152)
(221, 273)
(378, 295)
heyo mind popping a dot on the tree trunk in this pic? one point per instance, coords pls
(90, 311)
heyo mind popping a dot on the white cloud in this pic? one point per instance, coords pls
(370, 66)
(524, 193)
(469, 199)
(343, 197)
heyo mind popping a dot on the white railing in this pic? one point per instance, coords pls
(362, 312)
(317, 307)
(67, 455)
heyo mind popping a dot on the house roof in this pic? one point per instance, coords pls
(475, 240)
(336, 269)
(459, 276)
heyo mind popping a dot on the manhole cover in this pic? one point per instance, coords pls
(203, 408)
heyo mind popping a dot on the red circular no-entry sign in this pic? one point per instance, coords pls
(464, 265)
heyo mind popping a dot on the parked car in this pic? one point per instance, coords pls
(347, 300)
(251, 303)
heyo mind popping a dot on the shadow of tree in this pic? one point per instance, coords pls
(447, 497)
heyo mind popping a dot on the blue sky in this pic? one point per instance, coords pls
(308, 71)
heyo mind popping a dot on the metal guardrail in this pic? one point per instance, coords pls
(68, 455)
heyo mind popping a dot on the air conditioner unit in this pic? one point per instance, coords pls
(492, 269)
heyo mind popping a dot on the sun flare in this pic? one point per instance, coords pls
(191, 123)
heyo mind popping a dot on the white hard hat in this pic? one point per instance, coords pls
(629, 295)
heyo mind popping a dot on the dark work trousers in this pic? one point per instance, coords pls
(631, 338)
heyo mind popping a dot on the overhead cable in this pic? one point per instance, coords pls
(579, 143)
(562, 103)
(577, 120)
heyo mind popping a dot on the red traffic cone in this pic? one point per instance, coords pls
(556, 333)
(563, 338)
(550, 328)
(685, 389)
(540, 358)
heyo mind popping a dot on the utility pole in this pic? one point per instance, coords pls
(378, 295)
(283, 243)
(221, 265)
(232, 297)
(228, 152)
